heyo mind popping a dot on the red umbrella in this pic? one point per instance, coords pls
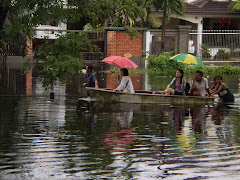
(121, 62)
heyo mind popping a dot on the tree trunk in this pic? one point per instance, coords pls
(4, 73)
(4, 11)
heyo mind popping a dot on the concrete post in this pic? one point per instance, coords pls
(183, 39)
(148, 45)
(199, 36)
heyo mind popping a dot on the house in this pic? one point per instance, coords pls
(212, 24)
(205, 22)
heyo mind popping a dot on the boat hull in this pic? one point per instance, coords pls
(145, 97)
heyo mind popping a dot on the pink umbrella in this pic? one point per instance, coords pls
(121, 62)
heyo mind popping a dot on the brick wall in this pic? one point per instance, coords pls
(119, 43)
(29, 74)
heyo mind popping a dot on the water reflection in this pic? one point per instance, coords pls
(56, 139)
(70, 139)
(219, 114)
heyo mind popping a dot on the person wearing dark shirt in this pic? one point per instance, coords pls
(223, 91)
(91, 79)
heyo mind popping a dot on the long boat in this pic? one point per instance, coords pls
(150, 97)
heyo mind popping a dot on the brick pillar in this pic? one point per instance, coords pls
(111, 43)
(29, 74)
(29, 83)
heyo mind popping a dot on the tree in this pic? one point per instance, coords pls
(128, 12)
(18, 18)
(169, 7)
(234, 5)
(173, 6)
(63, 57)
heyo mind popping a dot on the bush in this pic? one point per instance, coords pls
(163, 63)
(205, 51)
(222, 54)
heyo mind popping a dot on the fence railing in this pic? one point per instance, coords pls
(216, 44)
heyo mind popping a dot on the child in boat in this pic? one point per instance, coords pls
(214, 86)
(178, 86)
(125, 83)
(223, 91)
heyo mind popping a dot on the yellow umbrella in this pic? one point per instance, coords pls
(187, 59)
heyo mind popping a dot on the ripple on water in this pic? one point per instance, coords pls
(54, 140)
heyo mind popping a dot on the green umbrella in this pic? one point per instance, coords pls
(187, 59)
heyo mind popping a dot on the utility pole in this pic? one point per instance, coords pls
(164, 24)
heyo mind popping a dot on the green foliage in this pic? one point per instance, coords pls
(132, 32)
(225, 69)
(63, 57)
(234, 5)
(222, 54)
(205, 51)
(128, 12)
(173, 6)
(163, 63)
(155, 21)
(19, 16)
(27, 65)
(89, 27)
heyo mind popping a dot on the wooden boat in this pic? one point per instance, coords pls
(108, 95)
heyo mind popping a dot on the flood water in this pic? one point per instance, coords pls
(66, 138)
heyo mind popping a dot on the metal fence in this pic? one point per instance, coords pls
(216, 44)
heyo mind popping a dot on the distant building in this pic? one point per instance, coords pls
(207, 18)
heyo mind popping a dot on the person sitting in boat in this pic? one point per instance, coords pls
(214, 86)
(200, 85)
(223, 91)
(125, 83)
(178, 86)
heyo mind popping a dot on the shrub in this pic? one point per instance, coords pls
(163, 63)
(205, 51)
(222, 54)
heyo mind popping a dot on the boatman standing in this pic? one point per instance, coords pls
(91, 79)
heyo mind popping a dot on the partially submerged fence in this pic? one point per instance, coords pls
(216, 44)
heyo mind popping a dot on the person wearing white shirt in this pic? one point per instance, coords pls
(200, 85)
(125, 85)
